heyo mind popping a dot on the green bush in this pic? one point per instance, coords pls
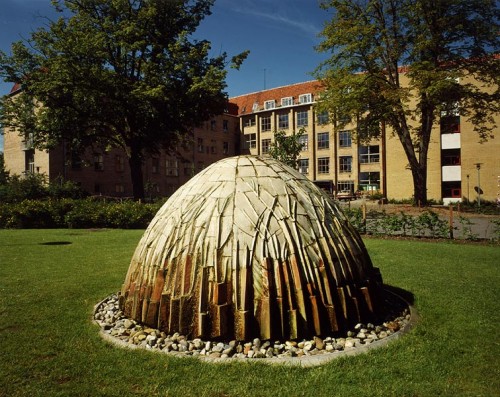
(83, 213)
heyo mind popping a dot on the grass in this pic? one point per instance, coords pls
(51, 279)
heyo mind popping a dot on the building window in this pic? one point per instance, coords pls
(225, 147)
(189, 169)
(345, 139)
(225, 125)
(345, 186)
(251, 141)
(269, 104)
(119, 163)
(213, 147)
(323, 165)
(302, 118)
(97, 188)
(201, 165)
(29, 161)
(213, 125)
(200, 145)
(304, 141)
(345, 163)
(450, 125)
(266, 145)
(450, 157)
(323, 117)
(369, 180)
(305, 98)
(283, 121)
(303, 166)
(265, 123)
(369, 154)
(452, 189)
(155, 165)
(249, 121)
(119, 188)
(98, 162)
(255, 106)
(172, 168)
(76, 161)
(288, 101)
(323, 140)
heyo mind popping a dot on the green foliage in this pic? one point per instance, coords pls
(286, 148)
(466, 227)
(117, 74)
(85, 213)
(4, 175)
(35, 187)
(442, 44)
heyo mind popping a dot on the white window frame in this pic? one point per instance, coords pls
(301, 121)
(323, 165)
(268, 105)
(255, 106)
(305, 98)
(323, 140)
(304, 141)
(287, 101)
(303, 166)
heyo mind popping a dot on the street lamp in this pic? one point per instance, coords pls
(478, 167)
(468, 201)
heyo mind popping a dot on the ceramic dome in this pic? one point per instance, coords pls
(250, 248)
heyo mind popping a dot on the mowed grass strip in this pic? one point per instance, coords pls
(51, 279)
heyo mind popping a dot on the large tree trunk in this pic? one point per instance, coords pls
(419, 174)
(135, 162)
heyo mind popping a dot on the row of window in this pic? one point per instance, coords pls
(283, 120)
(367, 154)
(213, 125)
(212, 148)
(345, 165)
(287, 101)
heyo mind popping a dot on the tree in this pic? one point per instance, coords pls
(286, 148)
(116, 73)
(4, 174)
(442, 45)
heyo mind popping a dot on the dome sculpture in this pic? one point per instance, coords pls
(251, 248)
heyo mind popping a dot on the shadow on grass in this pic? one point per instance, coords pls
(56, 243)
(406, 295)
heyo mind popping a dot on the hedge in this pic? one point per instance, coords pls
(73, 213)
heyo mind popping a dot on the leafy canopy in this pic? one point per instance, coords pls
(287, 148)
(446, 49)
(116, 73)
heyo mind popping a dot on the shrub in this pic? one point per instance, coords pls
(83, 213)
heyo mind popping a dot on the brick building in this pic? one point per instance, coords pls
(459, 166)
(106, 172)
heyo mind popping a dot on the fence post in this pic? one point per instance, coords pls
(363, 208)
(451, 221)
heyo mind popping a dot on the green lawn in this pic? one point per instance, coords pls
(51, 279)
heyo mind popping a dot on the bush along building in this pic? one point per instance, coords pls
(460, 167)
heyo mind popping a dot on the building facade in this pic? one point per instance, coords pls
(106, 172)
(459, 165)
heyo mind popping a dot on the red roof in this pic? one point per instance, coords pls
(15, 87)
(245, 102)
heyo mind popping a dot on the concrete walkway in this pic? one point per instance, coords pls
(466, 225)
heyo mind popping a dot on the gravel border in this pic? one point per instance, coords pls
(112, 329)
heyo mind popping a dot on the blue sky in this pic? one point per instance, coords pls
(280, 34)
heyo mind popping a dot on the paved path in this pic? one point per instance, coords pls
(465, 225)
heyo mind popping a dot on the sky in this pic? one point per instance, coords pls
(281, 36)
